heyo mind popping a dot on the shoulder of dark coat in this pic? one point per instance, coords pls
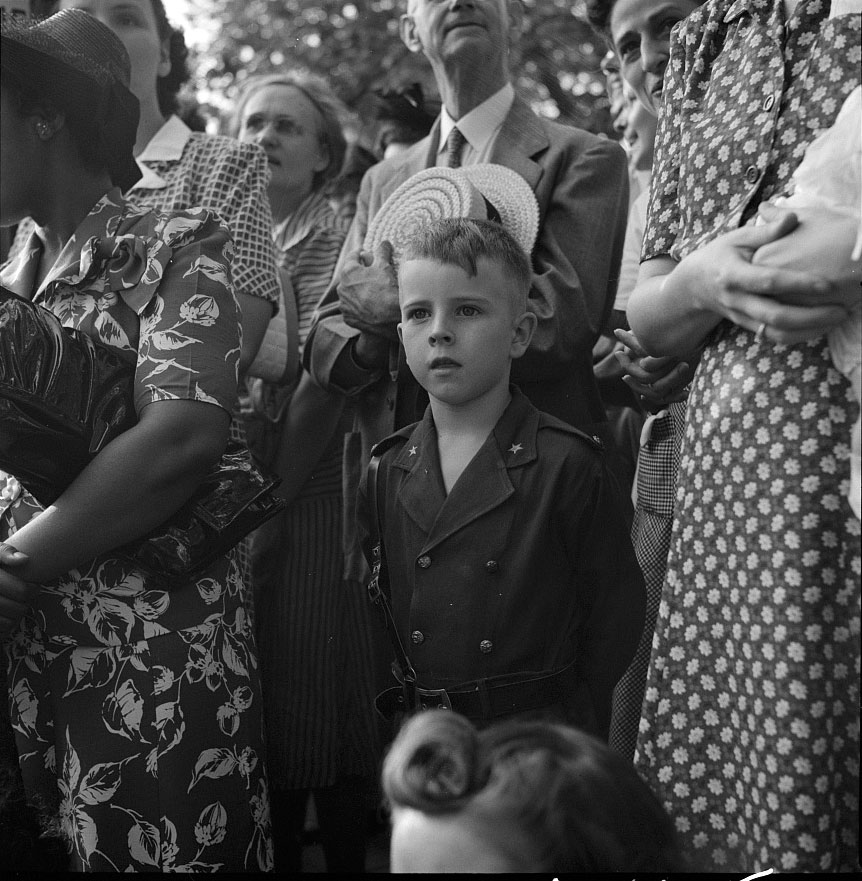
(394, 441)
(552, 424)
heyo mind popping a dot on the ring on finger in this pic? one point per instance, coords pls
(760, 333)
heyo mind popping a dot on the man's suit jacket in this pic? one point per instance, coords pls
(581, 185)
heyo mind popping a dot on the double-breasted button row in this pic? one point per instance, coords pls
(486, 646)
(418, 637)
(491, 567)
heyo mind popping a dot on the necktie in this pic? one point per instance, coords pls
(454, 143)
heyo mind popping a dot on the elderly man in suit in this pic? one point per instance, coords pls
(580, 182)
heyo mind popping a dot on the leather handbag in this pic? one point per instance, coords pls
(64, 397)
(234, 499)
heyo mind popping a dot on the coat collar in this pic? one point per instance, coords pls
(485, 483)
(521, 138)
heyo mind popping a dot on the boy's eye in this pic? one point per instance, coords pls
(469, 311)
(286, 126)
(417, 314)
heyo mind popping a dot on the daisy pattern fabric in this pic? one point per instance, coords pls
(137, 712)
(750, 725)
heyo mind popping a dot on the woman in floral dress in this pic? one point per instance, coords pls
(136, 710)
(750, 726)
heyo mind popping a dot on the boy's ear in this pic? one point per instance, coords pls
(400, 333)
(522, 332)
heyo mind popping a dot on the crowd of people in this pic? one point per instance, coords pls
(562, 559)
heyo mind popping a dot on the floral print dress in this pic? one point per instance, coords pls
(137, 711)
(750, 725)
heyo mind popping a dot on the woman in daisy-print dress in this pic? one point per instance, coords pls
(135, 704)
(750, 724)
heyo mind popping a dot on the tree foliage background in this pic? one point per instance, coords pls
(355, 45)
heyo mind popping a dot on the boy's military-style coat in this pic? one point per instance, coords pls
(525, 566)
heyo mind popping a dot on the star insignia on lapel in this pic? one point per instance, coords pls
(514, 449)
(412, 451)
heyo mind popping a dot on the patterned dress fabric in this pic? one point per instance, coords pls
(314, 629)
(137, 711)
(750, 728)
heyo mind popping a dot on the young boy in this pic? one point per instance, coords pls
(513, 582)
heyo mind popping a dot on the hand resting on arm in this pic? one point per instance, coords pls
(675, 305)
(137, 482)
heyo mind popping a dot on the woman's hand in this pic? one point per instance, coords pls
(657, 381)
(134, 484)
(823, 242)
(15, 593)
(675, 305)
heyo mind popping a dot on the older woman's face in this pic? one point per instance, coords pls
(640, 32)
(134, 22)
(284, 122)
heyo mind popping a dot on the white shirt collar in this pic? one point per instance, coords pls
(166, 145)
(481, 123)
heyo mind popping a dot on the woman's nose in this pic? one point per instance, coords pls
(266, 134)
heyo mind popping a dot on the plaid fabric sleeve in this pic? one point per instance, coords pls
(230, 178)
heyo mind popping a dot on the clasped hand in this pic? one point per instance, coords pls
(368, 292)
(657, 381)
(787, 296)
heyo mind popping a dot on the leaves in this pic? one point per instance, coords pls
(144, 843)
(168, 340)
(356, 47)
(26, 707)
(100, 783)
(90, 668)
(111, 620)
(213, 763)
(123, 710)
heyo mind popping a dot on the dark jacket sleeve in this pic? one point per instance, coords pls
(613, 592)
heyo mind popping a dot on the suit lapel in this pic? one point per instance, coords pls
(521, 137)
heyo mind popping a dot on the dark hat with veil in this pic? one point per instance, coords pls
(75, 61)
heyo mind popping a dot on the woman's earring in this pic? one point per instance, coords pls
(44, 130)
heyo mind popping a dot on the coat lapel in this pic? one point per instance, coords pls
(485, 483)
(521, 137)
(421, 493)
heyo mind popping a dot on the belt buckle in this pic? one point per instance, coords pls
(440, 696)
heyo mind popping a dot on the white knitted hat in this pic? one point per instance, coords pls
(484, 192)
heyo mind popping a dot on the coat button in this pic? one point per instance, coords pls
(752, 174)
(769, 103)
(424, 561)
(418, 637)
(492, 566)
(485, 646)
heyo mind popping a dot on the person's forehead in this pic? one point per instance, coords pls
(442, 843)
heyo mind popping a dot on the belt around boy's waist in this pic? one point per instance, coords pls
(484, 699)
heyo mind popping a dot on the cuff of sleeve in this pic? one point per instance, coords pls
(347, 374)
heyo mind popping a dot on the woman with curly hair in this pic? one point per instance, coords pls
(519, 796)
